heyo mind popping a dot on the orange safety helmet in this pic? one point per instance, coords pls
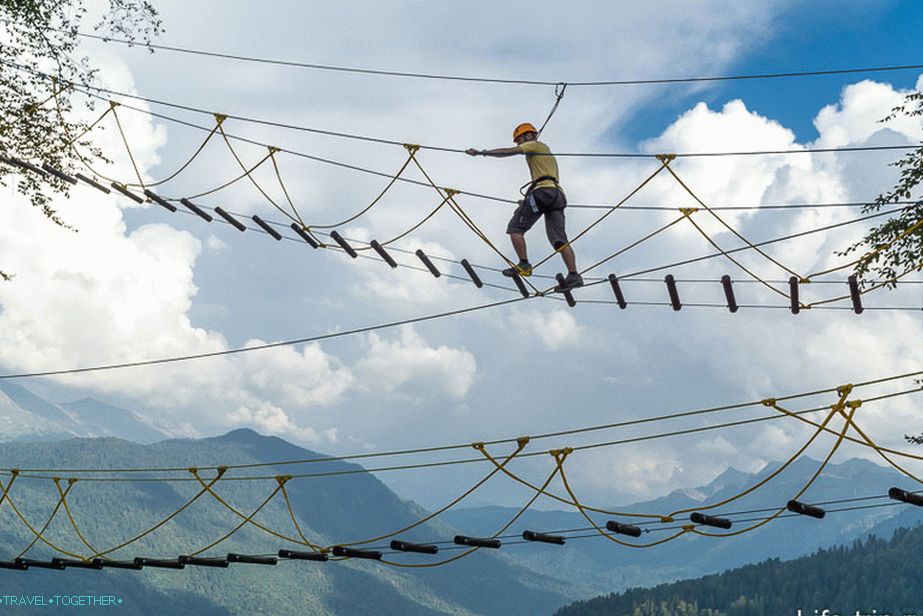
(522, 129)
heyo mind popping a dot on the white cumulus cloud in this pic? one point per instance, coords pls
(409, 362)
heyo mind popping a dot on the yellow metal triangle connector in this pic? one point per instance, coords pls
(219, 118)
(666, 158)
(411, 147)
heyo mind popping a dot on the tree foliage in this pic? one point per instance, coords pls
(871, 574)
(892, 250)
(39, 40)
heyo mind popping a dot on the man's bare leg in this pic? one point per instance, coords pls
(519, 245)
(570, 261)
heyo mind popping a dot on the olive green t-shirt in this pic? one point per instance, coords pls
(545, 164)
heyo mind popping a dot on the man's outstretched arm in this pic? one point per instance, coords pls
(496, 152)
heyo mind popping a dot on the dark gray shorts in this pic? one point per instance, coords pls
(550, 203)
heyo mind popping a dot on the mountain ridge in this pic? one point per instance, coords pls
(341, 509)
(26, 416)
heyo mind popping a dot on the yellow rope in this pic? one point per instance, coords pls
(480, 447)
(71, 143)
(461, 213)
(51, 517)
(249, 519)
(465, 218)
(70, 516)
(219, 119)
(632, 245)
(412, 149)
(411, 229)
(14, 475)
(726, 225)
(233, 510)
(834, 410)
(880, 450)
(872, 253)
(275, 166)
(38, 535)
(870, 289)
(291, 512)
(604, 216)
(27, 110)
(214, 480)
(771, 403)
(735, 261)
(88, 129)
(113, 105)
(72, 140)
(559, 460)
(232, 181)
(838, 408)
(502, 530)
(521, 443)
(188, 162)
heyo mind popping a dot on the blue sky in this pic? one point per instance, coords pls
(806, 36)
(137, 282)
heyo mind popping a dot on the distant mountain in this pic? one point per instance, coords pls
(335, 509)
(25, 416)
(593, 564)
(870, 577)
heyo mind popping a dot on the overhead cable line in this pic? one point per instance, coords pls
(559, 456)
(448, 194)
(448, 197)
(518, 540)
(631, 277)
(443, 448)
(327, 336)
(286, 556)
(331, 335)
(854, 295)
(760, 244)
(86, 90)
(492, 80)
(662, 527)
(634, 275)
(49, 473)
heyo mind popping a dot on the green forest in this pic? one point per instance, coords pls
(871, 577)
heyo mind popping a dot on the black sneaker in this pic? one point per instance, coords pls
(523, 268)
(571, 281)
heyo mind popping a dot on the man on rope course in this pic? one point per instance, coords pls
(543, 197)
